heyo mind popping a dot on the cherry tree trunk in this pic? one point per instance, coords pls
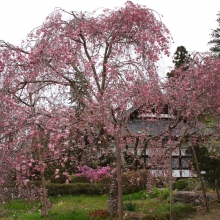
(113, 196)
(115, 192)
(44, 210)
(35, 143)
(201, 179)
(119, 179)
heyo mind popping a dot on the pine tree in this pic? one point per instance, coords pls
(181, 58)
(215, 39)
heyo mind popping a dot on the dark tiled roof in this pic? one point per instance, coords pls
(148, 126)
(154, 127)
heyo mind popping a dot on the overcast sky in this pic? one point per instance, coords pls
(190, 21)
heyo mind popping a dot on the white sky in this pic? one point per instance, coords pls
(190, 21)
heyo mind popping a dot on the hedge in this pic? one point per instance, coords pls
(75, 189)
(131, 182)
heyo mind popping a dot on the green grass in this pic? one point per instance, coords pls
(163, 194)
(78, 202)
(78, 207)
(135, 196)
(21, 205)
(63, 207)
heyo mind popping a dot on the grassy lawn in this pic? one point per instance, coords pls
(79, 207)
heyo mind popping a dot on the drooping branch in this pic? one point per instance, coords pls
(90, 60)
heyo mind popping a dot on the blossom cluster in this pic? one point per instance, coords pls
(93, 174)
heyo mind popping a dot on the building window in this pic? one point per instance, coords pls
(175, 163)
(185, 162)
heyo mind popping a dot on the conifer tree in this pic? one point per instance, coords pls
(181, 58)
(215, 39)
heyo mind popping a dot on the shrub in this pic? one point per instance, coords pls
(105, 180)
(60, 179)
(185, 184)
(75, 189)
(130, 206)
(180, 184)
(192, 182)
(79, 179)
(181, 210)
(36, 183)
(165, 193)
(132, 182)
(93, 175)
(159, 182)
(154, 194)
(164, 216)
(135, 196)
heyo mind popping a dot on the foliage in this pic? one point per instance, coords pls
(192, 102)
(84, 188)
(133, 181)
(180, 184)
(215, 39)
(135, 196)
(79, 179)
(181, 58)
(154, 193)
(208, 163)
(185, 184)
(104, 62)
(165, 194)
(130, 206)
(58, 179)
(97, 84)
(83, 206)
(181, 210)
(22, 204)
(76, 189)
(69, 86)
(162, 194)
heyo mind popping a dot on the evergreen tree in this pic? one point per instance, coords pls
(181, 58)
(215, 39)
